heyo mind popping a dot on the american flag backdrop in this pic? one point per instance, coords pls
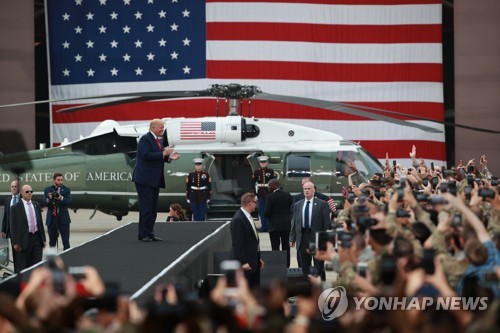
(379, 53)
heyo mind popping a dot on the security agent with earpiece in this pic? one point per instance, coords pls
(260, 179)
(198, 189)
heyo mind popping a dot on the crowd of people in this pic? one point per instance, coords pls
(419, 232)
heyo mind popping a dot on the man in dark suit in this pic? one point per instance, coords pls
(57, 198)
(278, 203)
(8, 202)
(26, 230)
(319, 195)
(148, 176)
(310, 215)
(245, 240)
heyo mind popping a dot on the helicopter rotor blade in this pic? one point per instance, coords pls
(341, 107)
(148, 98)
(447, 123)
(152, 95)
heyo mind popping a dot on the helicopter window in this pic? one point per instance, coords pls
(371, 162)
(298, 166)
(341, 163)
(364, 163)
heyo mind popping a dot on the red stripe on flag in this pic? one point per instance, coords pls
(324, 33)
(281, 70)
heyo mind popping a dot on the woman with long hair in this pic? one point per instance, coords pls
(176, 213)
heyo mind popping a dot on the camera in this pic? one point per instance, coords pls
(428, 261)
(401, 193)
(361, 268)
(438, 200)
(443, 188)
(365, 222)
(434, 181)
(346, 240)
(400, 212)
(55, 194)
(468, 192)
(452, 187)
(388, 269)
(470, 169)
(432, 166)
(321, 239)
(77, 272)
(57, 273)
(486, 193)
(229, 268)
(421, 197)
(457, 221)
(425, 181)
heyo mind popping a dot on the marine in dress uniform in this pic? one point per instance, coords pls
(198, 189)
(260, 178)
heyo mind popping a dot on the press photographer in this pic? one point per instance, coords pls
(57, 198)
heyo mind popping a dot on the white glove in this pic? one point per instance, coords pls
(208, 200)
(188, 201)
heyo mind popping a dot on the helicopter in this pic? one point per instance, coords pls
(98, 168)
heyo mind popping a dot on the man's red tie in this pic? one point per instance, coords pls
(158, 143)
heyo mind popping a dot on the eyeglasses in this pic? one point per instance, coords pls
(28, 191)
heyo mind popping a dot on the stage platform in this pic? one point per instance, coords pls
(187, 251)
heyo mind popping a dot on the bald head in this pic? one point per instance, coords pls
(27, 192)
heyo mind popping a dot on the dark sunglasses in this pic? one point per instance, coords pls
(28, 191)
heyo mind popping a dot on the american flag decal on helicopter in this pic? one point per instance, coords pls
(196, 130)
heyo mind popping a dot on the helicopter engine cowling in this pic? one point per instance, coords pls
(231, 129)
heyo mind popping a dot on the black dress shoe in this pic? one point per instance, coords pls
(146, 239)
(157, 239)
